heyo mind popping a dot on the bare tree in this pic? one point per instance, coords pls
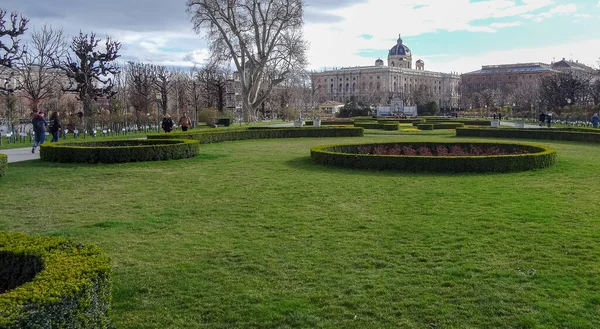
(40, 77)
(263, 38)
(140, 78)
(214, 79)
(11, 50)
(91, 70)
(163, 80)
(195, 91)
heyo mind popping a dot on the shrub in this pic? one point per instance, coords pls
(368, 125)
(348, 156)
(442, 125)
(565, 134)
(390, 126)
(386, 120)
(425, 126)
(216, 136)
(3, 164)
(119, 151)
(331, 122)
(49, 282)
(208, 116)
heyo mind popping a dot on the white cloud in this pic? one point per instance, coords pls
(558, 10)
(503, 25)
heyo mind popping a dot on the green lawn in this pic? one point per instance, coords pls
(251, 234)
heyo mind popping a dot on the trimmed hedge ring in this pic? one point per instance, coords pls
(346, 155)
(119, 151)
(50, 282)
(588, 135)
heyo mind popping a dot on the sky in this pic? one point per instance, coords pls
(449, 35)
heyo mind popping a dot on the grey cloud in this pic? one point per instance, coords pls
(332, 4)
(321, 17)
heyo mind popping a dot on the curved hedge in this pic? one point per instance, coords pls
(442, 125)
(3, 164)
(347, 156)
(49, 282)
(215, 136)
(119, 151)
(565, 134)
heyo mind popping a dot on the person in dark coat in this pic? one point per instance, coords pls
(549, 119)
(167, 123)
(542, 118)
(55, 126)
(595, 120)
(39, 128)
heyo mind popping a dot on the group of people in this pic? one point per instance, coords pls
(40, 125)
(498, 115)
(184, 123)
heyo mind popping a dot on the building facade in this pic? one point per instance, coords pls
(379, 84)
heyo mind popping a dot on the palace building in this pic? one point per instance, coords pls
(397, 80)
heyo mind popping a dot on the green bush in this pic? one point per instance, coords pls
(346, 156)
(208, 116)
(425, 126)
(386, 120)
(442, 125)
(368, 125)
(119, 151)
(331, 122)
(564, 134)
(3, 164)
(216, 136)
(49, 282)
(466, 122)
(390, 126)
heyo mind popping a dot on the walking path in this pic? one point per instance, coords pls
(512, 124)
(23, 154)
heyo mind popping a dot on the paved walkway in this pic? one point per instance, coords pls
(512, 124)
(23, 154)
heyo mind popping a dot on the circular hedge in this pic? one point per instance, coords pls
(589, 135)
(114, 151)
(50, 282)
(436, 157)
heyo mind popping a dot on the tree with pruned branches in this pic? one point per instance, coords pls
(163, 79)
(11, 49)
(91, 70)
(262, 38)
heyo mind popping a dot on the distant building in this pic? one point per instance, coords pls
(396, 81)
(331, 107)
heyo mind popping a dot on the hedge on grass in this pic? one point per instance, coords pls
(226, 122)
(3, 164)
(368, 125)
(390, 126)
(50, 282)
(442, 125)
(564, 134)
(119, 151)
(331, 122)
(346, 156)
(216, 136)
(425, 126)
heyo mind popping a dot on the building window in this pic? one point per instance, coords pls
(340, 88)
(347, 87)
(354, 87)
(331, 90)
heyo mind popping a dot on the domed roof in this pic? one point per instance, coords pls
(399, 49)
(379, 60)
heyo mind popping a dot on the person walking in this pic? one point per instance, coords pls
(542, 118)
(595, 120)
(39, 128)
(167, 123)
(499, 117)
(185, 122)
(549, 119)
(55, 126)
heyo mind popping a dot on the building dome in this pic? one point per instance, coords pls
(379, 62)
(399, 49)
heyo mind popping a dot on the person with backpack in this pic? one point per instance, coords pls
(542, 118)
(185, 122)
(167, 123)
(55, 126)
(39, 128)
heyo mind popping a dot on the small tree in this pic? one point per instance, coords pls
(208, 116)
(90, 70)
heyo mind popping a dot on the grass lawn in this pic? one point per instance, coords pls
(251, 234)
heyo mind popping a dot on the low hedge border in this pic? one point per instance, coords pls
(342, 156)
(119, 151)
(390, 126)
(442, 125)
(425, 126)
(216, 136)
(330, 122)
(50, 282)
(3, 164)
(564, 134)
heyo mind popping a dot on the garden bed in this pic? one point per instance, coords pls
(437, 157)
(119, 151)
